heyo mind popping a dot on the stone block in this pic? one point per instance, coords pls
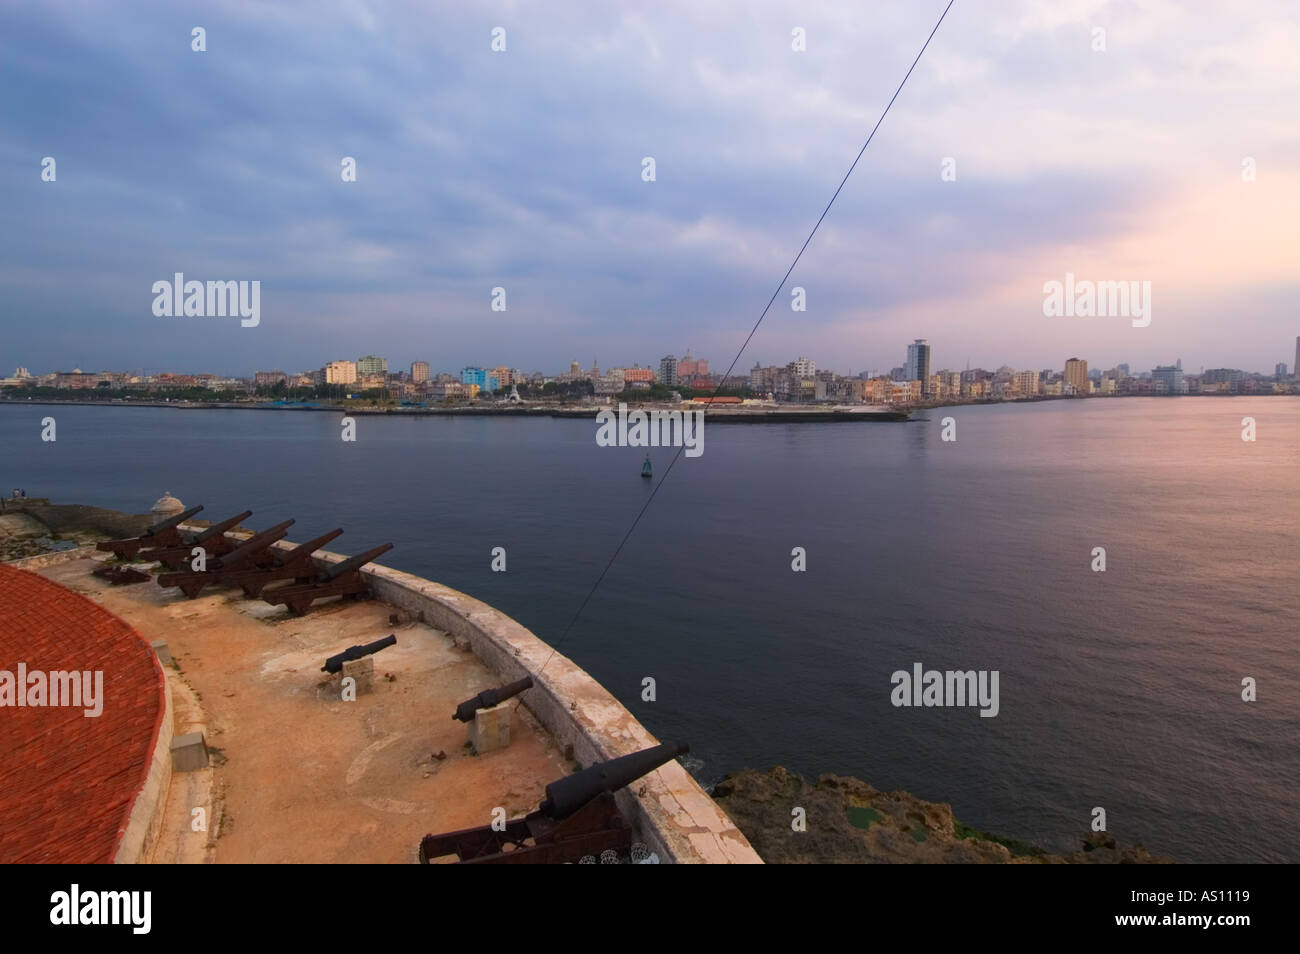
(189, 752)
(490, 729)
(164, 654)
(363, 671)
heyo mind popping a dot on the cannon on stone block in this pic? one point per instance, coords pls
(491, 697)
(339, 579)
(335, 663)
(578, 817)
(213, 540)
(161, 534)
(254, 550)
(295, 564)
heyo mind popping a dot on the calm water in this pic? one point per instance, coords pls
(1118, 689)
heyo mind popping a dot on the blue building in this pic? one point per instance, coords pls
(485, 381)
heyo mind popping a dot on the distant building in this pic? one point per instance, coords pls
(1168, 379)
(803, 367)
(267, 379)
(918, 362)
(693, 371)
(1280, 371)
(448, 390)
(76, 379)
(668, 370)
(1027, 383)
(1222, 376)
(372, 364)
(634, 379)
(341, 372)
(1076, 375)
(419, 371)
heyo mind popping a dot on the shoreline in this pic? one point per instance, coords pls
(781, 414)
(799, 413)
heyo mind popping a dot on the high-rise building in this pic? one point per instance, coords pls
(372, 364)
(1280, 370)
(918, 362)
(419, 371)
(1169, 378)
(1295, 368)
(473, 376)
(690, 367)
(668, 370)
(341, 372)
(1027, 383)
(803, 368)
(1076, 375)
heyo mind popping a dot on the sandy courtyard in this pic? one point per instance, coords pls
(298, 775)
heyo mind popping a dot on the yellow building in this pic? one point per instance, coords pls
(1076, 375)
(1027, 383)
(341, 372)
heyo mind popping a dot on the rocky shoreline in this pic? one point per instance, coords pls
(848, 821)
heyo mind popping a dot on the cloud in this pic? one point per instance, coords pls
(523, 169)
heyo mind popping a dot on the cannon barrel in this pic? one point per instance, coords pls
(336, 570)
(170, 522)
(254, 544)
(491, 697)
(217, 529)
(303, 550)
(569, 794)
(335, 663)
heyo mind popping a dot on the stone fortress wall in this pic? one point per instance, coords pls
(673, 816)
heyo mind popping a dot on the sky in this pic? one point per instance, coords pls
(522, 169)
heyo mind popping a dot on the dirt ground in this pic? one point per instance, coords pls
(299, 775)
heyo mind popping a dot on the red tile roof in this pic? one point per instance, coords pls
(68, 781)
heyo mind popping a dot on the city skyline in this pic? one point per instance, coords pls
(1066, 159)
(741, 369)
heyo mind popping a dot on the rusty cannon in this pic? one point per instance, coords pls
(335, 663)
(491, 697)
(578, 817)
(254, 550)
(165, 533)
(295, 564)
(339, 579)
(212, 539)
